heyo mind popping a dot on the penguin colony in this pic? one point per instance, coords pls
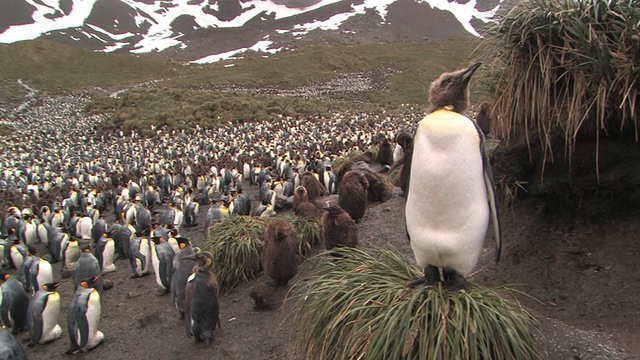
(60, 182)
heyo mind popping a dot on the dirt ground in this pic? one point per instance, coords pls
(581, 279)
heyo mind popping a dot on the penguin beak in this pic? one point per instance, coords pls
(466, 75)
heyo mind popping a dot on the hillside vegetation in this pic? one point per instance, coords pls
(52, 67)
(397, 73)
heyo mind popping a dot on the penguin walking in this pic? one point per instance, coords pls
(13, 303)
(162, 255)
(9, 347)
(83, 317)
(201, 300)
(451, 192)
(42, 315)
(183, 264)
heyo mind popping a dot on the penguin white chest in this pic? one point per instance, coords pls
(447, 210)
(50, 328)
(94, 309)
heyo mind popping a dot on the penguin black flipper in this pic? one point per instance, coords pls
(189, 291)
(166, 268)
(143, 259)
(79, 326)
(97, 252)
(491, 191)
(35, 328)
(136, 254)
(4, 314)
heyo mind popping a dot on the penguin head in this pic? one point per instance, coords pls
(51, 286)
(86, 249)
(452, 89)
(204, 259)
(4, 276)
(88, 282)
(183, 242)
(157, 239)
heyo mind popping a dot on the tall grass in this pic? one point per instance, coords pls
(308, 230)
(359, 307)
(565, 68)
(235, 244)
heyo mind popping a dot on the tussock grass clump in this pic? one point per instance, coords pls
(235, 244)
(359, 307)
(308, 230)
(564, 68)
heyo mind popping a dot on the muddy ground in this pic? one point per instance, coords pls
(582, 279)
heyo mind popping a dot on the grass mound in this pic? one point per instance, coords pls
(562, 69)
(359, 307)
(308, 230)
(235, 244)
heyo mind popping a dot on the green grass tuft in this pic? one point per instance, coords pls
(235, 244)
(564, 70)
(308, 230)
(359, 307)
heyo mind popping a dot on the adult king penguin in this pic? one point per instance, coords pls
(447, 212)
(83, 318)
(42, 315)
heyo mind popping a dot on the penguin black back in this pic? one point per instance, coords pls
(452, 89)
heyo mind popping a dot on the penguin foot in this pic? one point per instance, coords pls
(453, 281)
(162, 292)
(134, 276)
(431, 277)
(72, 350)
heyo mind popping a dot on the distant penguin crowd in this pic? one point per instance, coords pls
(94, 201)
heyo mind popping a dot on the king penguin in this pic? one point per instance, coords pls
(451, 192)
(201, 300)
(183, 263)
(88, 267)
(42, 315)
(13, 303)
(162, 259)
(83, 318)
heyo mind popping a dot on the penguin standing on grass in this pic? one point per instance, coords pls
(451, 193)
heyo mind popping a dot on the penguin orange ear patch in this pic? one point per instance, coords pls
(84, 284)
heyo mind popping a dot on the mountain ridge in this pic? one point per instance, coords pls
(193, 30)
